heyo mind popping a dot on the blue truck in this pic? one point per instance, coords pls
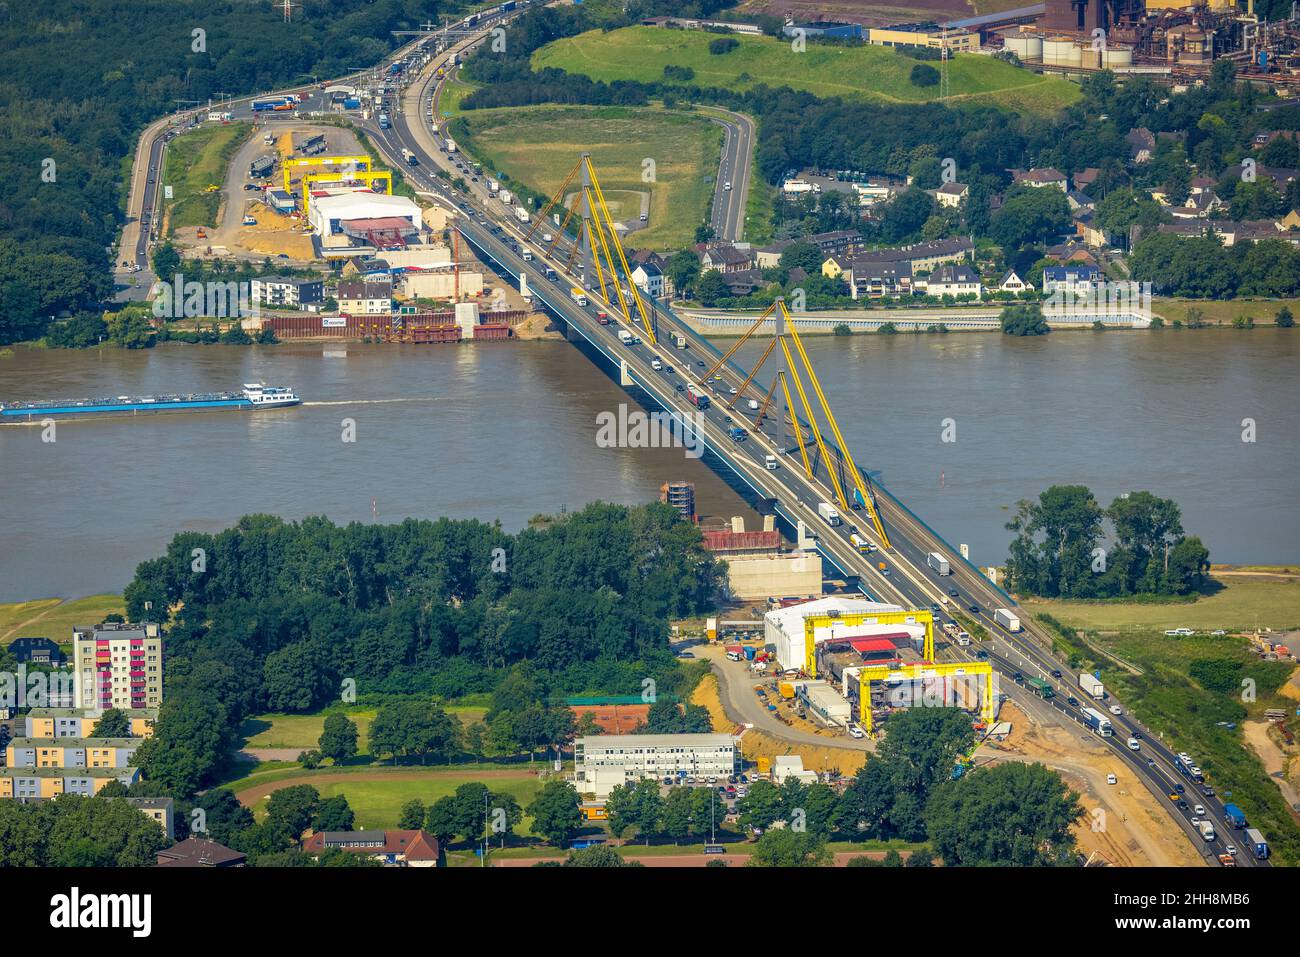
(1258, 846)
(1234, 816)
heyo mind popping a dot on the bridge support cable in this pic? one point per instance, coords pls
(758, 323)
(864, 493)
(606, 222)
(812, 425)
(740, 393)
(590, 231)
(546, 210)
(762, 410)
(794, 419)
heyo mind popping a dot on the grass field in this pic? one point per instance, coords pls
(539, 145)
(1176, 706)
(866, 72)
(54, 617)
(195, 161)
(1261, 310)
(1240, 605)
(304, 730)
(376, 794)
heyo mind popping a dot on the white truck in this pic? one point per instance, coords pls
(1091, 686)
(679, 341)
(526, 253)
(938, 564)
(830, 515)
(770, 463)
(1207, 831)
(493, 185)
(451, 145)
(1007, 619)
(505, 196)
(625, 337)
(521, 214)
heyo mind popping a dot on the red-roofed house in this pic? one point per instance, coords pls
(395, 848)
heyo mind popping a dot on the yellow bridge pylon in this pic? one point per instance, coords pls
(599, 245)
(786, 337)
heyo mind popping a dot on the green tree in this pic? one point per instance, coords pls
(760, 806)
(711, 288)
(1030, 216)
(599, 855)
(443, 819)
(1284, 319)
(555, 812)
(333, 814)
(1069, 521)
(782, 847)
(113, 723)
(1023, 319)
(683, 269)
(413, 815)
(292, 809)
(1024, 814)
(338, 739)
(924, 75)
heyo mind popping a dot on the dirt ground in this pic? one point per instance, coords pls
(1282, 762)
(1131, 831)
(755, 744)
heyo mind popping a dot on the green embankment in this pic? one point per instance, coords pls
(864, 72)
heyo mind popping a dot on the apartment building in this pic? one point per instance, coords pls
(287, 291)
(161, 810)
(365, 298)
(118, 665)
(76, 723)
(68, 753)
(35, 783)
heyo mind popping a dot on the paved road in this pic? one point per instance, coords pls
(910, 582)
(728, 220)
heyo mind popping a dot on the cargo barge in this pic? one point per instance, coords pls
(253, 397)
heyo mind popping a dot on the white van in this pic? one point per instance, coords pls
(770, 463)
(753, 405)
(1133, 744)
(856, 731)
(963, 639)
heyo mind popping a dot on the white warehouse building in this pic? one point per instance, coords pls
(783, 628)
(603, 762)
(328, 213)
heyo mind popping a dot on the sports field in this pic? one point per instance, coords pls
(376, 794)
(864, 72)
(539, 145)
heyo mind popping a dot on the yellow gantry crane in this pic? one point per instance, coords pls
(599, 243)
(369, 179)
(978, 671)
(354, 161)
(787, 336)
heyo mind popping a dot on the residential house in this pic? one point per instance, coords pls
(1070, 252)
(1070, 279)
(365, 298)
(922, 257)
(1197, 206)
(161, 809)
(724, 257)
(200, 852)
(1141, 144)
(879, 280)
(1084, 178)
(742, 282)
(398, 848)
(288, 291)
(951, 195)
(650, 279)
(954, 280)
(1079, 200)
(1280, 175)
(1087, 229)
(1012, 282)
(1037, 178)
(37, 651)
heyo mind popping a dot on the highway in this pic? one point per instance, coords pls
(728, 214)
(497, 237)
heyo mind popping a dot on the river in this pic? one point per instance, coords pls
(506, 431)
